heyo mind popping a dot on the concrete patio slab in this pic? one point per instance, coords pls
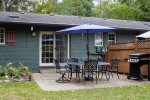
(48, 82)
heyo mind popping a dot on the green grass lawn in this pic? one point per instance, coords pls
(31, 91)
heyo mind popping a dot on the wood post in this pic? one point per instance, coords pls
(107, 53)
(136, 46)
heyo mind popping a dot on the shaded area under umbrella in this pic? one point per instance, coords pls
(87, 29)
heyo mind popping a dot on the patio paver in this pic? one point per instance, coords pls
(48, 82)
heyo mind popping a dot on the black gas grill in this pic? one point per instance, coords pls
(136, 61)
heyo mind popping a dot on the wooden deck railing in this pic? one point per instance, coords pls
(123, 50)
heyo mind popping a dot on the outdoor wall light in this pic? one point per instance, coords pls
(31, 28)
(33, 34)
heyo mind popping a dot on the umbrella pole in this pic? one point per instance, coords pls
(88, 53)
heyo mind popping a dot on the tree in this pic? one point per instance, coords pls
(144, 7)
(66, 7)
(122, 11)
(116, 11)
(76, 7)
(19, 5)
(46, 7)
(102, 9)
(128, 2)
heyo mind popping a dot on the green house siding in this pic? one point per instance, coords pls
(78, 45)
(125, 36)
(25, 50)
(78, 42)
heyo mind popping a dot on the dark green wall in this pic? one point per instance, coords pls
(25, 50)
(126, 35)
(78, 42)
(79, 46)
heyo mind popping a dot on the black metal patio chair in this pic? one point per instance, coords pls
(62, 71)
(114, 66)
(90, 69)
(105, 69)
(74, 68)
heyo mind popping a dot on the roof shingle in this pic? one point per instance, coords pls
(48, 19)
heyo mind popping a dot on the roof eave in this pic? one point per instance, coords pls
(63, 24)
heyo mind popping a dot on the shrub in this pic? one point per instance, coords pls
(17, 72)
(24, 70)
(11, 72)
(3, 71)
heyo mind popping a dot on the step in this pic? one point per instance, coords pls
(47, 70)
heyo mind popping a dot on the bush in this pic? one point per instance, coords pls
(24, 70)
(3, 71)
(15, 72)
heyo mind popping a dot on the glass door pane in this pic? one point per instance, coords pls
(47, 48)
(61, 47)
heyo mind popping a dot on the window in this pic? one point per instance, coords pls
(111, 38)
(61, 47)
(47, 48)
(99, 39)
(10, 38)
(2, 36)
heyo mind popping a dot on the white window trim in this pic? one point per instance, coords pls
(4, 36)
(40, 47)
(101, 41)
(114, 37)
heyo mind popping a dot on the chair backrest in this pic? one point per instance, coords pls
(90, 65)
(101, 59)
(73, 60)
(115, 62)
(57, 65)
(84, 59)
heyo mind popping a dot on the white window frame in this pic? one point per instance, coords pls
(98, 39)
(4, 36)
(40, 50)
(110, 41)
(40, 47)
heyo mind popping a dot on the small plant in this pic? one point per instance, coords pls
(16, 74)
(11, 72)
(3, 71)
(24, 70)
(9, 65)
(11, 69)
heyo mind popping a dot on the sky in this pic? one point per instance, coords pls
(95, 2)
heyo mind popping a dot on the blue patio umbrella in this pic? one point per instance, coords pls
(87, 29)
